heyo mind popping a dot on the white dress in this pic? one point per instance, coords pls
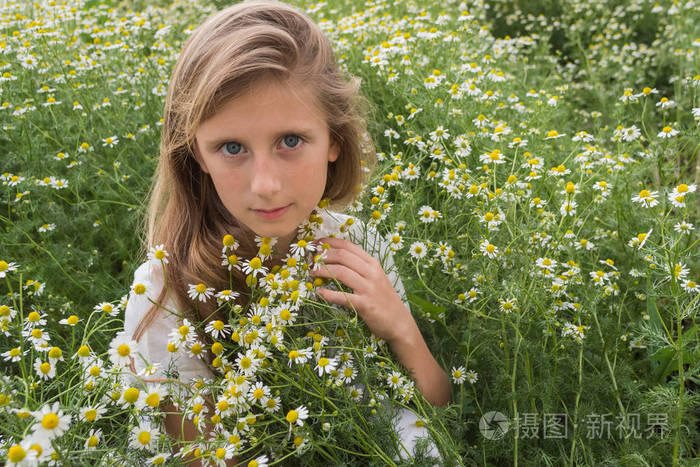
(152, 346)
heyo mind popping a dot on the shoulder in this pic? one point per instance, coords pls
(151, 278)
(353, 229)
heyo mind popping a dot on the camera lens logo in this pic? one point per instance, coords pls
(493, 425)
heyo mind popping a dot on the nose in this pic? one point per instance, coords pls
(265, 181)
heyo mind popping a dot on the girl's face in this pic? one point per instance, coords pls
(267, 152)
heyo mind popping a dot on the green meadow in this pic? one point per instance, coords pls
(537, 182)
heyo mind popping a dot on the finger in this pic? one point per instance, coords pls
(348, 259)
(341, 244)
(342, 274)
(349, 300)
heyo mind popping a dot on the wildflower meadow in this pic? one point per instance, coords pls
(537, 182)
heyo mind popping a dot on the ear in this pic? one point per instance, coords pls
(199, 158)
(333, 151)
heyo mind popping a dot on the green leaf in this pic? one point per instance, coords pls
(425, 305)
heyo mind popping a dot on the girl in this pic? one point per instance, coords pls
(260, 126)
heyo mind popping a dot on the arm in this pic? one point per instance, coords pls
(378, 304)
(413, 353)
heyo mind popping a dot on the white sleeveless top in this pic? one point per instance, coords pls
(152, 346)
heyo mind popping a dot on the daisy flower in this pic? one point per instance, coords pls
(472, 376)
(260, 461)
(225, 296)
(91, 413)
(667, 132)
(299, 356)
(121, 349)
(394, 380)
(297, 416)
(200, 291)
(356, 393)
(93, 439)
(22, 454)
(158, 255)
(12, 355)
(110, 141)
(568, 208)
(45, 370)
(554, 134)
(395, 241)
(690, 286)
(488, 249)
(493, 157)
(106, 308)
(6, 267)
(151, 397)
(458, 375)
(683, 227)
(301, 248)
(271, 404)
(508, 306)
(255, 267)
(51, 422)
(418, 250)
(143, 436)
(428, 214)
(231, 261)
(158, 459)
(218, 329)
(546, 263)
(677, 196)
(326, 365)
(646, 198)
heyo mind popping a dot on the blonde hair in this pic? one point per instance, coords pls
(233, 50)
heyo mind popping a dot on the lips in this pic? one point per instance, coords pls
(270, 210)
(271, 214)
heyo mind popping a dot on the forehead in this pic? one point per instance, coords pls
(270, 99)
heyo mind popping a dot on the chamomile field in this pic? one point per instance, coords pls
(536, 179)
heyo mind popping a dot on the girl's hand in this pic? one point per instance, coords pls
(374, 297)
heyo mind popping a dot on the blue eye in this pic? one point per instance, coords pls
(291, 141)
(232, 148)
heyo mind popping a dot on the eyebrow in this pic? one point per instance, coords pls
(221, 139)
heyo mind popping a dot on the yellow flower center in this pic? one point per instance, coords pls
(201, 288)
(123, 350)
(16, 453)
(92, 441)
(229, 240)
(153, 400)
(45, 368)
(131, 395)
(72, 320)
(49, 421)
(292, 416)
(139, 289)
(255, 263)
(144, 437)
(90, 415)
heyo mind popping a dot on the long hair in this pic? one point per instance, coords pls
(228, 54)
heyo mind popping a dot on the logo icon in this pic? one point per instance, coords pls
(493, 425)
